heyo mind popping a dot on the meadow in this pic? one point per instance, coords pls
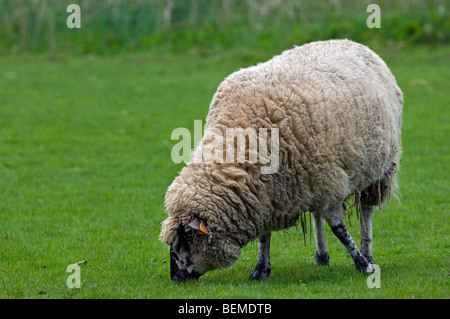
(85, 162)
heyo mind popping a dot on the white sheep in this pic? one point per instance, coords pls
(338, 111)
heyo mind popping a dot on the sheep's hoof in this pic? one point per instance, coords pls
(363, 265)
(322, 259)
(370, 269)
(260, 272)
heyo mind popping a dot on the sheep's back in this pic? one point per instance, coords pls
(338, 110)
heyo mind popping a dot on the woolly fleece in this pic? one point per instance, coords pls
(339, 113)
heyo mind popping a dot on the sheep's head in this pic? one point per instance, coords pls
(201, 228)
(196, 247)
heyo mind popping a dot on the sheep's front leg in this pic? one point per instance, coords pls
(321, 256)
(262, 268)
(334, 219)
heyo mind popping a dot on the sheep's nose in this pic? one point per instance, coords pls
(183, 275)
(177, 274)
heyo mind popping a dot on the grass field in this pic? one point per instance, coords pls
(85, 163)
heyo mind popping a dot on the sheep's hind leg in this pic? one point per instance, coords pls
(366, 232)
(334, 219)
(262, 268)
(321, 256)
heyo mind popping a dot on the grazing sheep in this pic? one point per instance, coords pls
(338, 111)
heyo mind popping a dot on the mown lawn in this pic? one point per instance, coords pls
(85, 163)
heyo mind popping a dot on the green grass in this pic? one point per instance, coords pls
(85, 163)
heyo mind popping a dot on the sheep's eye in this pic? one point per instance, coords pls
(189, 234)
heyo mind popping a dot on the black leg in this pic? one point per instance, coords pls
(334, 219)
(262, 268)
(366, 232)
(321, 256)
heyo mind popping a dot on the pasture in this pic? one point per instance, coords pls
(85, 162)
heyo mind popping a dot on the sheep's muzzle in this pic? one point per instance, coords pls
(177, 274)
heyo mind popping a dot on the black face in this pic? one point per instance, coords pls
(181, 266)
(178, 274)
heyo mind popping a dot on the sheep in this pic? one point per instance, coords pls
(338, 111)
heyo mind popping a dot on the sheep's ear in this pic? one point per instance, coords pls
(198, 225)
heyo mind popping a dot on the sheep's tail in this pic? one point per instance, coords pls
(374, 195)
(382, 190)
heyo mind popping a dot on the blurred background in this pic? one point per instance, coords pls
(111, 26)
